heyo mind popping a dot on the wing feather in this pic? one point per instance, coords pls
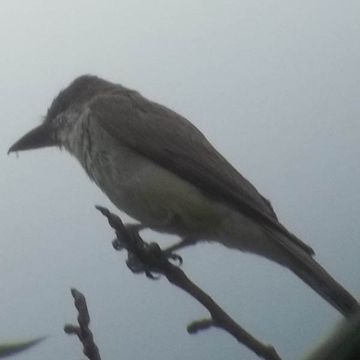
(172, 141)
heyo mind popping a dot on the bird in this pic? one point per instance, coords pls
(156, 166)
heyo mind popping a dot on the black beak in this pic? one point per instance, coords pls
(41, 136)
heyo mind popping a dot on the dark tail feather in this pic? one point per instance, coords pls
(319, 279)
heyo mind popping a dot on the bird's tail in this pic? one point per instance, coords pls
(292, 253)
(313, 274)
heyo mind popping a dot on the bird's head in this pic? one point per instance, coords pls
(81, 90)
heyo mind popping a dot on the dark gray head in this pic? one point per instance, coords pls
(80, 91)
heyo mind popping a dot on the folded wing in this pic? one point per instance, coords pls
(171, 141)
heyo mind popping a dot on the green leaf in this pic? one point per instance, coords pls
(12, 348)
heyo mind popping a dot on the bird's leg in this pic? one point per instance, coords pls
(184, 242)
(134, 263)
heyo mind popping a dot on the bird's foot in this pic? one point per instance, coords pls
(143, 257)
(180, 245)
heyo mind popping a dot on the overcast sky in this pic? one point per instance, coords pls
(274, 85)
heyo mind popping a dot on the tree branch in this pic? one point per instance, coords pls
(82, 331)
(150, 259)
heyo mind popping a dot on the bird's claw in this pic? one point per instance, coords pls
(164, 254)
(118, 244)
(156, 257)
(143, 257)
(177, 258)
(135, 264)
(138, 267)
(151, 275)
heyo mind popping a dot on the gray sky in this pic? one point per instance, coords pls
(274, 85)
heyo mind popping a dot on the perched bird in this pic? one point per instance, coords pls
(160, 169)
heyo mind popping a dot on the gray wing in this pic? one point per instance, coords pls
(172, 141)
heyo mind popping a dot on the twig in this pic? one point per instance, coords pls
(151, 259)
(82, 331)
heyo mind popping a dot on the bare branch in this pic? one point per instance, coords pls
(199, 325)
(150, 259)
(82, 331)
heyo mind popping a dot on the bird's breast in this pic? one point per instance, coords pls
(145, 190)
